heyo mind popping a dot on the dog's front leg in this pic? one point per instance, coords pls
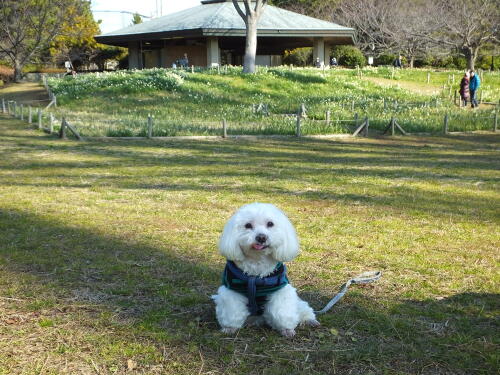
(231, 309)
(281, 311)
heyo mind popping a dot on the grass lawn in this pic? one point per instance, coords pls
(108, 253)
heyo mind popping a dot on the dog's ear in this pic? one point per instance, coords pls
(228, 242)
(288, 247)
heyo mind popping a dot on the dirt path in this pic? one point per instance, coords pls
(24, 92)
(418, 88)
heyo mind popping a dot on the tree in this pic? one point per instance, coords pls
(371, 19)
(251, 18)
(76, 41)
(322, 9)
(406, 27)
(28, 27)
(136, 19)
(465, 25)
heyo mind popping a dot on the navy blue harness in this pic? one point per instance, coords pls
(255, 288)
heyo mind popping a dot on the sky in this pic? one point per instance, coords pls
(115, 20)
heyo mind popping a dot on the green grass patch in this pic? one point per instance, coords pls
(108, 255)
(198, 105)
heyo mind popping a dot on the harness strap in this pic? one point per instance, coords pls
(267, 284)
(252, 295)
(364, 278)
(259, 281)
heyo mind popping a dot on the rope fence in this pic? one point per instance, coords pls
(297, 125)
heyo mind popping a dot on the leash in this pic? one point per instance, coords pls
(364, 278)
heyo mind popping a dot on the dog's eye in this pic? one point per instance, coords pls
(248, 226)
(270, 224)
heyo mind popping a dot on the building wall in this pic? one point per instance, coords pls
(197, 55)
(152, 59)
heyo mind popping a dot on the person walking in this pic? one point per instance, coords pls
(474, 84)
(464, 89)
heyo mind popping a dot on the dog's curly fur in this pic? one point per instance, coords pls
(256, 238)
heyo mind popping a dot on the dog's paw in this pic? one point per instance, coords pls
(229, 330)
(289, 333)
(312, 323)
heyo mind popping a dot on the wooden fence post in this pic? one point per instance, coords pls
(150, 126)
(62, 131)
(3, 106)
(302, 110)
(39, 118)
(51, 124)
(455, 98)
(352, 105)
(328, 118)
(55, 100)
(21, 108)
(367, 120)
(495, 122)
(356, 120)
(192, 68)
(15, 108)
(297, 129)
(224, 128)
(30, 115)
(453, 79)
(428, 77)
(392, 126)
(445, 125)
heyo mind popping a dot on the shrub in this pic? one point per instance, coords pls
(127, 81)
(488, 62)
(6, 73)
(298, 57)
(349, 56)
(386, 59)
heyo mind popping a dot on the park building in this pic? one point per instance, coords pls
(213, 34)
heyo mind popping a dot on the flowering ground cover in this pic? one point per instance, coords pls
(118, 104)
(108, 253)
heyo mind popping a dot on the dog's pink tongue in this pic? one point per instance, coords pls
(256, 246)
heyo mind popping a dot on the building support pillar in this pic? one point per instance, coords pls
(164, 55)
(213, 52)
(319, 51)
(328, 49)
(134, 56)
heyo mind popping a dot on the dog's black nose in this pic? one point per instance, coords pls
(261, 238)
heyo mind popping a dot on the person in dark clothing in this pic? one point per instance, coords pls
(398, 63)
(464, 89)
(474, 84)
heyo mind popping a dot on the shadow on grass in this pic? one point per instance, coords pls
(378, 173)
(160, 296)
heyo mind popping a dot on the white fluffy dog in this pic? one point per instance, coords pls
(255, 241)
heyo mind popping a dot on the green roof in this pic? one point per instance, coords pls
(219, 18)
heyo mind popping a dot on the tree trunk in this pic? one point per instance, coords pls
(412, 61)
(250, 47)
(18, 71)
(470, 55)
